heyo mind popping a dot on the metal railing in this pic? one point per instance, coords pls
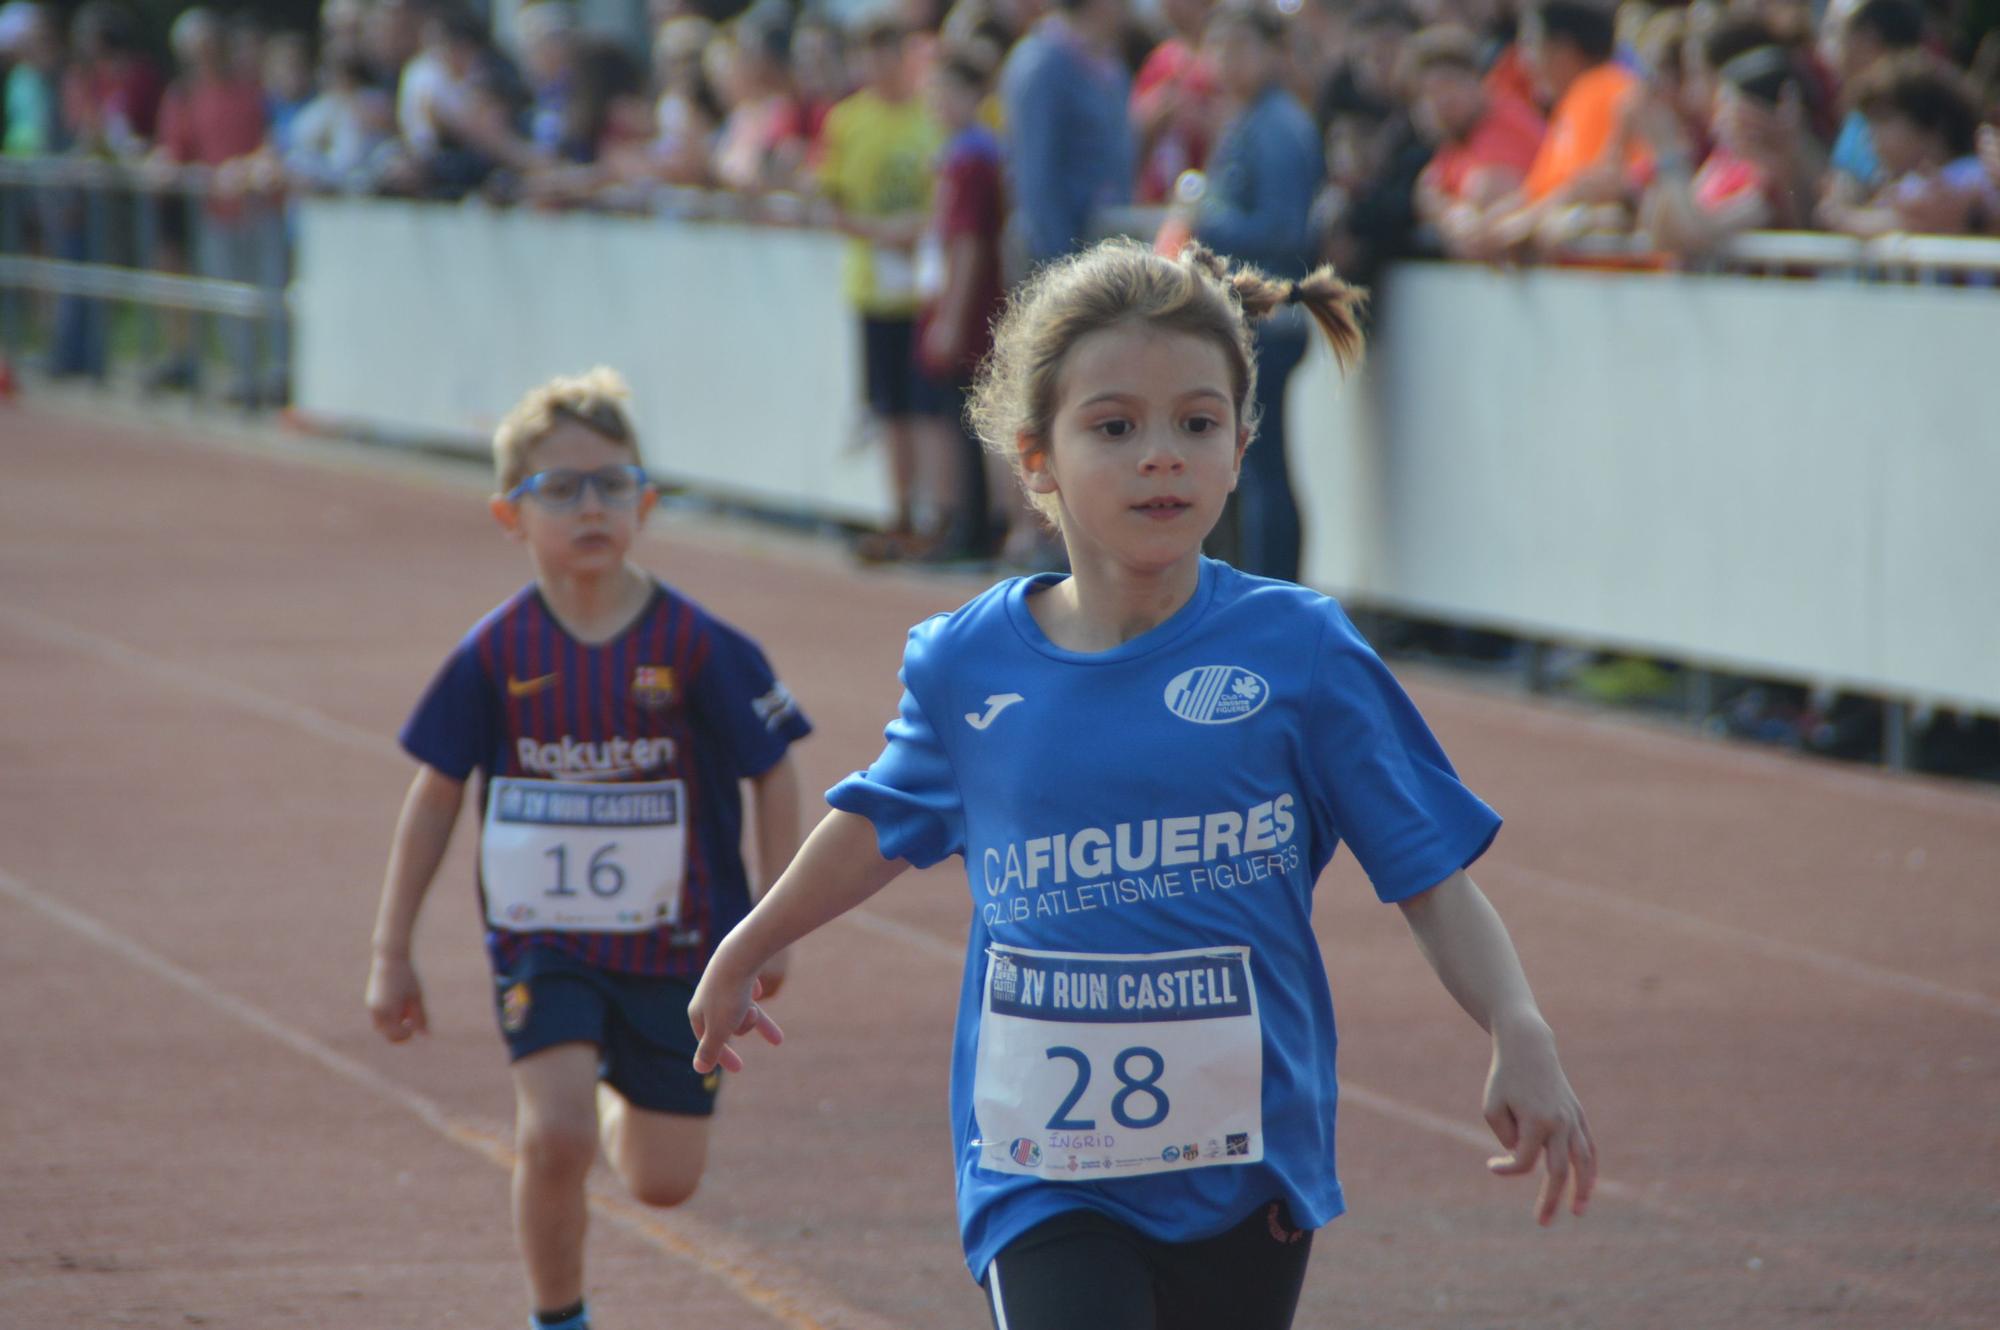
(163, 247)
(171, 246)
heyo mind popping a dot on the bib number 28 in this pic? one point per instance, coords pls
(604, 876)
(1130, 1088)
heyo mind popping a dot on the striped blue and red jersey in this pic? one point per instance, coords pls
(679, 695)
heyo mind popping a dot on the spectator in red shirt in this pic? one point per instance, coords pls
(111, 96)
(1487, 138)
(213, 116)
(1747, 181)
(959, 280)
(1175, 105)
(819, 79)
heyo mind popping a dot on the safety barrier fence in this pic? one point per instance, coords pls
(1789, 478)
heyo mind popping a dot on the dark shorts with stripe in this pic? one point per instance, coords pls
(639, 1024)
(1086, 1271)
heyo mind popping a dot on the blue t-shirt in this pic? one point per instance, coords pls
(1142, 829)
(677, 699)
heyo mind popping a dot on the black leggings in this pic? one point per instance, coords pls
(1085, 1271)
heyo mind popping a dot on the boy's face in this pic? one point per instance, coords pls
(590, 537)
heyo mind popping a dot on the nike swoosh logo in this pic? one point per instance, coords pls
(529, 687)
(995, 704)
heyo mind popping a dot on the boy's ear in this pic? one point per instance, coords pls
(649, 499)
(507, 513)
(1035, 473)
(1242, 447)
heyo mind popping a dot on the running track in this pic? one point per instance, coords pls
(1775, 982)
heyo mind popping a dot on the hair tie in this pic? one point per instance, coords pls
(1297, 295)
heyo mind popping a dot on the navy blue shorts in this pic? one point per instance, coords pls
(639, 1024)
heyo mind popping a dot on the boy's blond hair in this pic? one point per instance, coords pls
(595, 399)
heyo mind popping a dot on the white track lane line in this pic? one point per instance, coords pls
(319, 723)
(789, 1299)
(301, 716)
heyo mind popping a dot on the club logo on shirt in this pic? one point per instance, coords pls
(653, 687)
(514, 1004)
(1217, 694)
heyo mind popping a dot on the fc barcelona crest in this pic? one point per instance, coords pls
(653, 686)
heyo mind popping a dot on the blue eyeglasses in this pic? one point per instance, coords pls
(563, 487)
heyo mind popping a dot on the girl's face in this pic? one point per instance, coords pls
(1144, 447)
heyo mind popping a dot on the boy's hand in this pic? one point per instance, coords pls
(772, 977)
(1531, 1108)
(724, 1006)
(396, 999)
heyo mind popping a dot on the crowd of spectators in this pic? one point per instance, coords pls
(1482, 128)
(955, 145)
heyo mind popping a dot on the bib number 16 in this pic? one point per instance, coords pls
(604, 877)
(1131, 1087)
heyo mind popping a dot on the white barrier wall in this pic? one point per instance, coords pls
(430, 321)
(1790, 476)
(1799, 478)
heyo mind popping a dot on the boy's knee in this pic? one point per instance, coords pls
(664, 1190)
(558, 1147)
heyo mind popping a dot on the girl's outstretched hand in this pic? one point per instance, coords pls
(1531, 1108)
(724, 1007)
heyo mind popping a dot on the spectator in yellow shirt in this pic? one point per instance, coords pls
(876, 169)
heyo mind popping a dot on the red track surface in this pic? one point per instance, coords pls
(1775, 982)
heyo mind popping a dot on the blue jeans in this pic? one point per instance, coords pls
(1268, 531)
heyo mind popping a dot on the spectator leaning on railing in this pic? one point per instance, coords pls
(1923, 121)
(1583, 160)
(1486, 137)
(1750, 180)
(1872, 35)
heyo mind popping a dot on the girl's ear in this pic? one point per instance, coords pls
(1035, 473)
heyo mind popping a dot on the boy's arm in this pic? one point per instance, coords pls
(839, 867)
(1529, 1103)
(774, 795)
(423, 831)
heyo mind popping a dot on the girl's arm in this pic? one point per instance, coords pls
(1529, 1103)
(774, 797)
(839, 867)
(430, 810)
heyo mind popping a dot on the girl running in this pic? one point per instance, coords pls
(1145, 765)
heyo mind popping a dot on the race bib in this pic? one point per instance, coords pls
(581, 857)
(1095, 1066)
